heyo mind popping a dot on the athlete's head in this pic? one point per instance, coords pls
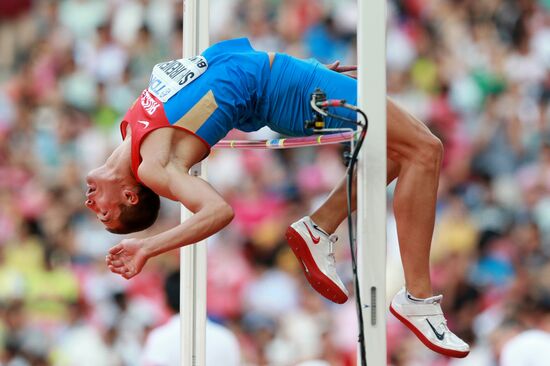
(121, 203)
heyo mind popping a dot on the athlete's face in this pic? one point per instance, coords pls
(104, 198)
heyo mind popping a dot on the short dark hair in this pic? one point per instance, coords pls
(172, 291)
(141, 215)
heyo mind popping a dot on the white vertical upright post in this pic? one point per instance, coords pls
(193, 257)
(371, 208)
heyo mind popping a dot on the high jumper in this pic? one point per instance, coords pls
(231, 85)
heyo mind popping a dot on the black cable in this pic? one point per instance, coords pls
(348, 120)
(352, 240)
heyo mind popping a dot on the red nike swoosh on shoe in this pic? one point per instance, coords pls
(315, 239)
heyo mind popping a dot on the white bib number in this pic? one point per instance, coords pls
(170, 77)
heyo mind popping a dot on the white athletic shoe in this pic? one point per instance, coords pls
(313, 248)
(425, 318)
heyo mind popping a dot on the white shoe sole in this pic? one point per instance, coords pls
(426, 341)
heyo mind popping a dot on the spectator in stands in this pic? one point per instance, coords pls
(162, 347)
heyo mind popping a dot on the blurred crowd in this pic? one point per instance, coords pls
(477, 72)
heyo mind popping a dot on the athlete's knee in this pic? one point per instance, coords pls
(410, 141)
(429, 151)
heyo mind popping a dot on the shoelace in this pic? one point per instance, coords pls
(332, 239)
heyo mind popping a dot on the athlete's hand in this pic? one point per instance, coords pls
(335, 66)
(127, 258)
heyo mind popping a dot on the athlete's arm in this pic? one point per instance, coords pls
(211, 214)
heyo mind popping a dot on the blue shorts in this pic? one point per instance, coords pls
(289, 89)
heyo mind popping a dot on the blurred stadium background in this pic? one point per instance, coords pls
(477, 72)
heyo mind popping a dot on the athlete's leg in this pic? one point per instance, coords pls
(414, 155)
(334, 210)
(419, 154)
(310, 240)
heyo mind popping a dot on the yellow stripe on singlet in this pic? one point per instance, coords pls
(201, 111)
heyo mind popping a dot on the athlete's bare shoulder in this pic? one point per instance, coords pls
(171, 146)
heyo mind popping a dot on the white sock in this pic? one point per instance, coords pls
(317, 227)
(415, 299)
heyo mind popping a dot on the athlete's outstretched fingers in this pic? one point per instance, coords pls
(333, 65)
(116, 249)
(119, 270)
(346, 68)
(109, 258)
(114, 270)
(116, 263)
